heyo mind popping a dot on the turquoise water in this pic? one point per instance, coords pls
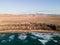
(33, 38)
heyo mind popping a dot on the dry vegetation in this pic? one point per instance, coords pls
(30, 26)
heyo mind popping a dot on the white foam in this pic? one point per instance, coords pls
(45, 36)
(33, 37)
(12, 36)
(3, 41)
(55, 40)
(22, 36)
(43, 41)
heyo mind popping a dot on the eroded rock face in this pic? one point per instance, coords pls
(28, 26)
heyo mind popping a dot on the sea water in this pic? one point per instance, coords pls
(33, 38)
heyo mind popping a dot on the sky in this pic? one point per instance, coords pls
(29, 6)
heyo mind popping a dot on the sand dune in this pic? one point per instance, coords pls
(27, 19)
(30, 18)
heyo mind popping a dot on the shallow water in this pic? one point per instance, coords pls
(33, 38)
